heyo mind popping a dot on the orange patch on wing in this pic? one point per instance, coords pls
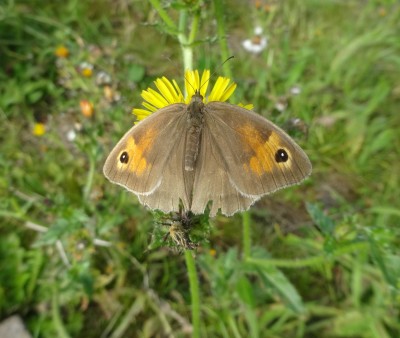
(261, 146)
(136, 151)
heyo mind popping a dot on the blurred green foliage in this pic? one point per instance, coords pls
(80, 257)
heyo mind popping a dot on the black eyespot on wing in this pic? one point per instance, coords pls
(124, 158)
(281, 156)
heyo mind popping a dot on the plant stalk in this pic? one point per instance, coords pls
(194, 292)
(246, 235)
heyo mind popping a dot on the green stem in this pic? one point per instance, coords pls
(194, 28)
(246, 235)
(309, 261)
(223, 45)
(194, 292)
(56, 316)
(187, 51)
(187, 56)
(163, 15)
(90, 176)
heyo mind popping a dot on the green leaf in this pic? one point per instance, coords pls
(136, 73)
(245, 291)
(275, 279)
(246, 294)
(325, 223)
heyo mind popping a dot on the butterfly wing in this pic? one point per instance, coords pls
(256, 156)
(148, 158)
(176, 184)
(212, 182)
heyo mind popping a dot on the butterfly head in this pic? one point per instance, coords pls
(197, 101)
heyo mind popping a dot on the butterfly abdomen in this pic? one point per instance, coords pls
(195, 121)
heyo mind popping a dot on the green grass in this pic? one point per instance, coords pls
(81, 257)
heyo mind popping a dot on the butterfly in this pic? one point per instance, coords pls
(197, 153)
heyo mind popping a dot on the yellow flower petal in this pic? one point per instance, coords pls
(156, 99)
(178, 90)
(174, 88)
(166, 89)
(177, 95)
(192, 82)
(219, 89)
(215, 92)
(226, 89)
(168, 92)
(248, 106)
(150, 107)
(228, 92)
(205, 80)
(141, 113)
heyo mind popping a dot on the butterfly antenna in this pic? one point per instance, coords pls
(215, 71)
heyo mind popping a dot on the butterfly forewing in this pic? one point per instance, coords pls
(139, 159)
(258, 156)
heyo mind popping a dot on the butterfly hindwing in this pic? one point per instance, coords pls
(212, 182)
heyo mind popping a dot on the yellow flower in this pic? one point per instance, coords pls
(87, 108)
(169, 92)
(61, 52)
(257, 4)
(87, 72)
(213, 252)
(382, 12)
(108, 93)
(39, 129)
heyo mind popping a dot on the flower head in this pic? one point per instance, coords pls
(39, 129)
(257, 43)
(61, 51)
(295, 90)
(103, 78)
(169, 92)
(71, 135)
(87, 108)
(86, 69)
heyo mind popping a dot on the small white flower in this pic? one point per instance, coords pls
(296, 90)
(85, 65)
(258, 30)
(257, 43)
(71, 135)
(327, 121)
(281, 105)
(103, 78)
(80, 246)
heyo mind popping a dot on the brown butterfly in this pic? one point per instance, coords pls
(204, 152)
